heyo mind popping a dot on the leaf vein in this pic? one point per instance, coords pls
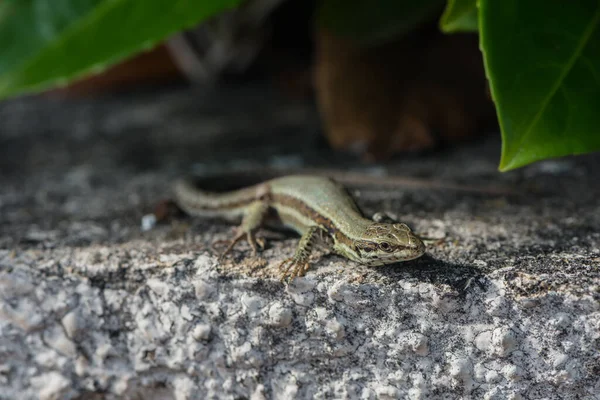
(568, 67)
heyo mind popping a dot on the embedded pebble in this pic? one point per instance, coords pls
(512, 372)
(279, 315)
(335, 329)
(71, 323)
(301, 285)
(419, 344)
(203, 290)
(259, 393)
(56, 338)
(460, 370)
(25, 315)
(483, 342)
(158, 286)
(559, 359)
(387, 393)
(492, 376)
(51, 385)
(303, 299)
(505, 341)
(252, 305)
(201, 332)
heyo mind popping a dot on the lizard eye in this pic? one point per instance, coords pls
(385, 246)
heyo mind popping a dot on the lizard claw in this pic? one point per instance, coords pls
(241, 234)
(291, 268)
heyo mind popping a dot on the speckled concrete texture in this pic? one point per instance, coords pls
(507, 305)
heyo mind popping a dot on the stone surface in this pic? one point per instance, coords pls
(506, 306)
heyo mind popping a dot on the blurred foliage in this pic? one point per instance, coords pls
(542, 58)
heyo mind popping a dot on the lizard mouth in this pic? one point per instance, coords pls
(404, 256)
(415, 249)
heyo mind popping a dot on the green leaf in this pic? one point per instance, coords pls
(48, 42)
(460, 16)
(542, 58)
(372, 22)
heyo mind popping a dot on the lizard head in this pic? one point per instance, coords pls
(383, 243)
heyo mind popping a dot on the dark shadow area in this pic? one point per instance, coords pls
(430, 270)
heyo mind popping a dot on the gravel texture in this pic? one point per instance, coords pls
(91, 306)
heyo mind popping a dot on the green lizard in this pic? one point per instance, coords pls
(315, 207)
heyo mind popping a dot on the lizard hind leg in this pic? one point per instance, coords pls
(252, 220)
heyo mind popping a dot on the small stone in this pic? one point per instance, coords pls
(511, 372)
(201, 332)
(387, 392)
(419, 344)
(301, 285)
(335, 329)
(121, 384)
(252, 305)
(51, 385)
(56, 338)
(460, 370)
(203, 290)
(483, 341)
(148, 222)
(184, 388)
(336, 291)
(26, 316)
(492, 376)
(259, 393)
(185, 313)
(71, 324)
(279, 315)
(81, 365)
(303, 299)
(505, 341)
(158, 286)
(559, 359)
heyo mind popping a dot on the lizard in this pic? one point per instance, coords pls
(316, 208)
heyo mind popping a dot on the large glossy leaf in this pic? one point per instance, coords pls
(460, 16)
(542, 59)
(48, 42)
(373, 22)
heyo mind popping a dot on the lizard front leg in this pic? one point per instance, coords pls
(298, 264)
(251, 221)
